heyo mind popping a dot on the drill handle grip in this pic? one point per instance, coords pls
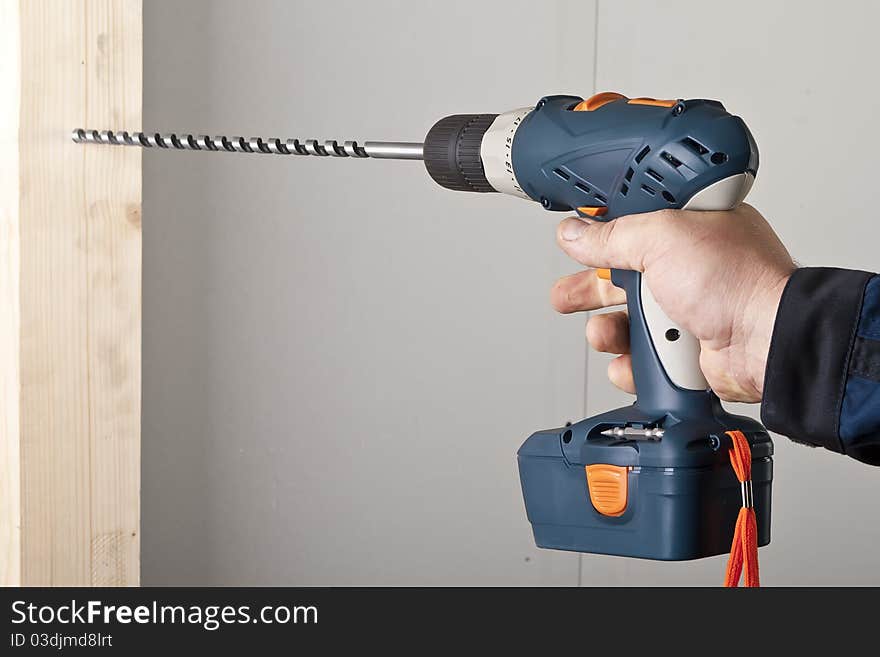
(665, 357)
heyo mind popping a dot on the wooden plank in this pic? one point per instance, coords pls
(10, 498)
(71, 432)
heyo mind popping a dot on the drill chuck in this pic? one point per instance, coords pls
(452, 152)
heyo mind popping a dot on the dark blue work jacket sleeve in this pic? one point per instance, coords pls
(822, 382)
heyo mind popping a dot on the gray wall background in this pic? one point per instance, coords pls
(341, 359)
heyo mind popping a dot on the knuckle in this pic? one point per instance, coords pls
(605, 236)
(562, 297)
(666, 217)
(610, 295)
(594, 332)
(608, 231)
(620, 374)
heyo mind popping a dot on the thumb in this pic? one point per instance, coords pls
(622, 243)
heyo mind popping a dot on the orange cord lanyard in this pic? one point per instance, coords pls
(744, 550)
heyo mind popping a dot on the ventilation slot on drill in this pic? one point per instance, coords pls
(642, 154)
(649, 190)
(582, 187)
(629, 174)
(695, 146)
(656, 176)
(674, 161)
(624, 188)
(561, 174)
(601, 199)
(669, 197)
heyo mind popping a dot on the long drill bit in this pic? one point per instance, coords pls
(393, 150)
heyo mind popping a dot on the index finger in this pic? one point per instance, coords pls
(585, 291)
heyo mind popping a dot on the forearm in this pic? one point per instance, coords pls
(822, 380)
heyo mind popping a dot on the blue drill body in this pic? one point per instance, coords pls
(653, 479)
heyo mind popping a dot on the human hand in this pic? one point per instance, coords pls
(719, 275)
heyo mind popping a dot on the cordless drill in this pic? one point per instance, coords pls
(648, 480)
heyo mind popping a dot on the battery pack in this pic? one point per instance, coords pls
(671, 498)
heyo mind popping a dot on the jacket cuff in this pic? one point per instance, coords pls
(808, 363)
